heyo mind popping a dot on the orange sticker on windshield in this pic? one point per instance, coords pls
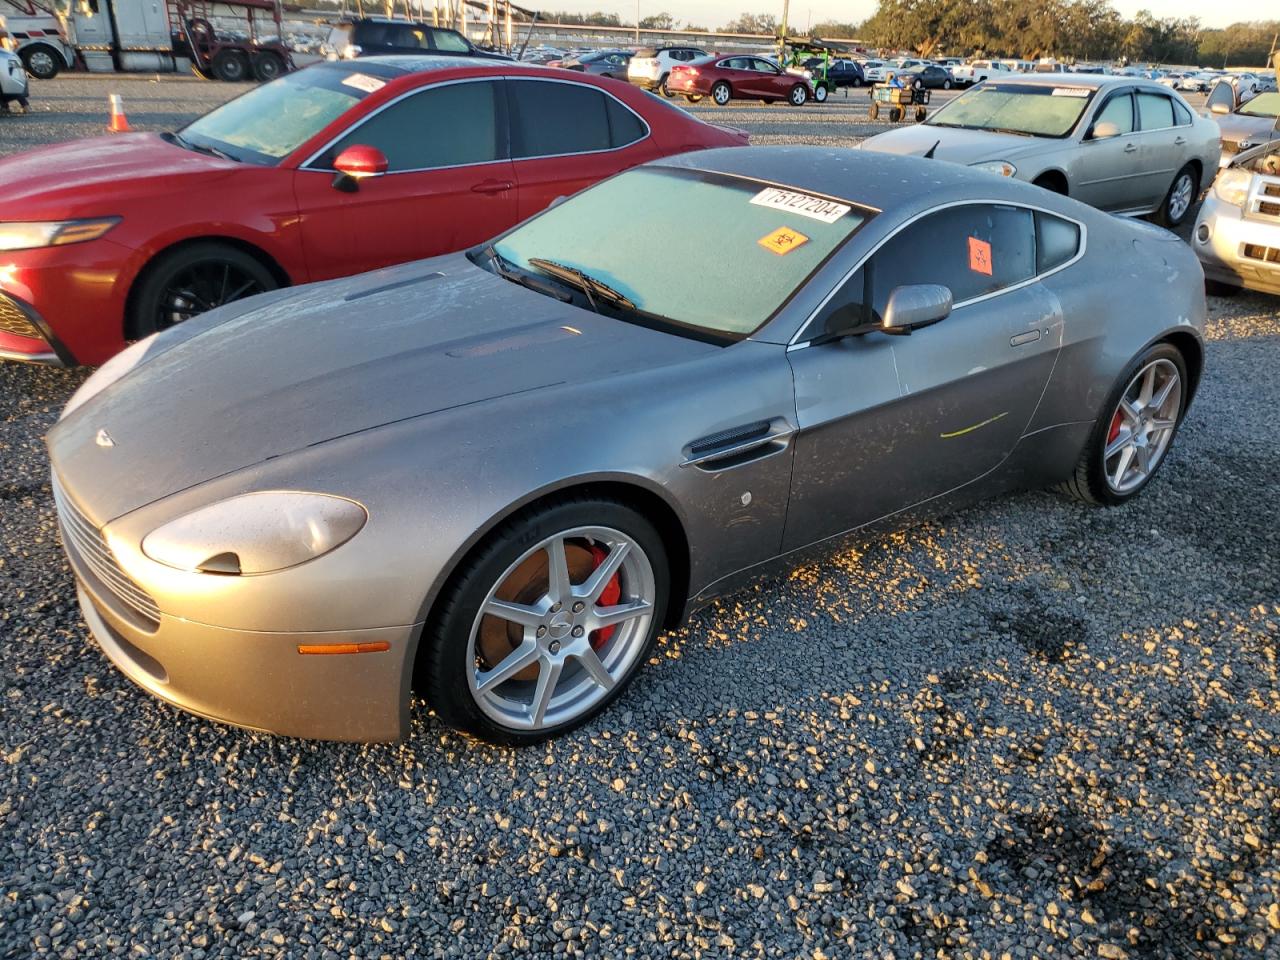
(979, 256)
(782, 241)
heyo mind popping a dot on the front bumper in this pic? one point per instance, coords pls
(74, 295)
(1228, 245)
(254, 679)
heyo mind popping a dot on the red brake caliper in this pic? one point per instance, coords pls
(609, 597)
(1112, 433)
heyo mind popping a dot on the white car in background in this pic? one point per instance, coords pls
(13, 75)
(874, 70)
(975, 71)
(651, 66)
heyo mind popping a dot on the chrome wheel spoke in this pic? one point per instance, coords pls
(522, 657)
(595, 669)
(611, 616)
(1116, 445)
(548, 680)
(601, 575)
(1160, 399)
(515, 612)
(1142, 454)
(1148, 387)
(1126, 458)
(1131, 412)
(559, 587)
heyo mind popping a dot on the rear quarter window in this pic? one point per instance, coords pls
(1057, 241)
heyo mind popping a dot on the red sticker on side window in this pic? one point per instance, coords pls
(979, 256)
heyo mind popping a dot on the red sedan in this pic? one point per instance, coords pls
(738, 77)
(333, 170)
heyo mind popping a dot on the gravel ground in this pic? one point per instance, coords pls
(1033, 729)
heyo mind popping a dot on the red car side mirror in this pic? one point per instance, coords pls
(358, 162)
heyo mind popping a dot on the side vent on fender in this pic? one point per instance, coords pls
(738, 445)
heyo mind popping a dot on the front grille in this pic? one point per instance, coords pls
(1230, 146)
(1269, 209)
(1254, 251)
(13, 320)
(90, 548)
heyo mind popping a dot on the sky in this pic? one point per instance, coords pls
(714, 13)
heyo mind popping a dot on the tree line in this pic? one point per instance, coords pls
(1066, 29)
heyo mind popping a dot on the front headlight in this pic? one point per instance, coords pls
(52, 233)
(351, 51)
(1232, 186)
(1002, 168)
(256, 533)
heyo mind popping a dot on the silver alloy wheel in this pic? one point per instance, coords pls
(820, 94)
(573, 673)
(41, 64)
(1180, 197)
(721, 94)
(798, 95)
(1142, 426)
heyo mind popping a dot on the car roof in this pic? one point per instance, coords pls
(881, 181)
(388, 66)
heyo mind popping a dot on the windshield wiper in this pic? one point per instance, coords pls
(525, 280)
(587, 283)
(196, 147)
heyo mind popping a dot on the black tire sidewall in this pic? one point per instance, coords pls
(721, 85)
(28, 55)
(1097, 478)
(1164, 217)
(266, 76)
(220, 62)
(442, 664)
(144, 301)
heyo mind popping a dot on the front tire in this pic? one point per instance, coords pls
(662, 86)
(1180, 198)
(721, 93)
(799, 96)
(191, 280)
(545, 624)
(1136, 431)
(41, 62)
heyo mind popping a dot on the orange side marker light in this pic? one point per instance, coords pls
(328, 649)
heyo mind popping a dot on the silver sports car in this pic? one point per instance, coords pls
(496, 476)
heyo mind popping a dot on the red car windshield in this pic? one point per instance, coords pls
(269, 122)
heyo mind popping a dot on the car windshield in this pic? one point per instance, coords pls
(704, 253)
(1034, 109)
(1263, 105)
(271, 121)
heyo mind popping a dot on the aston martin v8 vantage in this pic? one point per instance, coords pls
(494, 477)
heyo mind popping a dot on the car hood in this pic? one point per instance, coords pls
(1235, 127)
(58, 180)
(294, 368)
(956, 145)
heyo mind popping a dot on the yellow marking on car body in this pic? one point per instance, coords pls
(976, 426)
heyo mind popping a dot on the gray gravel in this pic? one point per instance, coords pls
(1033, 729)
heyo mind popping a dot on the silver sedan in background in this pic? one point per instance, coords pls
(1121, 144)
(496, 476)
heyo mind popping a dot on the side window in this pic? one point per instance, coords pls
(445, 126)
(1183, 114)
(1117, 110)
(411, 37)
(762, 66)
(1057, 241)
(624, 126)
(450, 41)
(1154, 111)
(973, 250)
(556, 118)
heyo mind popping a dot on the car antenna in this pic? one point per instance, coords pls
(928, 154)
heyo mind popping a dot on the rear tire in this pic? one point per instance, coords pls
(267, 66)
(895, 114)
(461, 644)
(693, 97)
(721, 93)
(1094, 480)
(946, 84)
(231, 66)
(1180, 198)
(662, 86)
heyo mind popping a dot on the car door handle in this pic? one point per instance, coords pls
(1130, 148)
(1031, 336)
(1180, 141)
(492, 186)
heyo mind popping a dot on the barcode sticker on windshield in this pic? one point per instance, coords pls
(362, 81)
(1070, 91)
(815, 208)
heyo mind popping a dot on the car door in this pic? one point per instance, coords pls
(449, 184)
(1163, 144)
(566, 136)
(1109, 171)
(773, 81)
(887, 422)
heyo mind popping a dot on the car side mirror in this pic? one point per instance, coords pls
(916, 306)
(1105, 130)
(1219, 108)
(358, 162)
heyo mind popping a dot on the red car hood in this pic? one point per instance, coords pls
(73, 179)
